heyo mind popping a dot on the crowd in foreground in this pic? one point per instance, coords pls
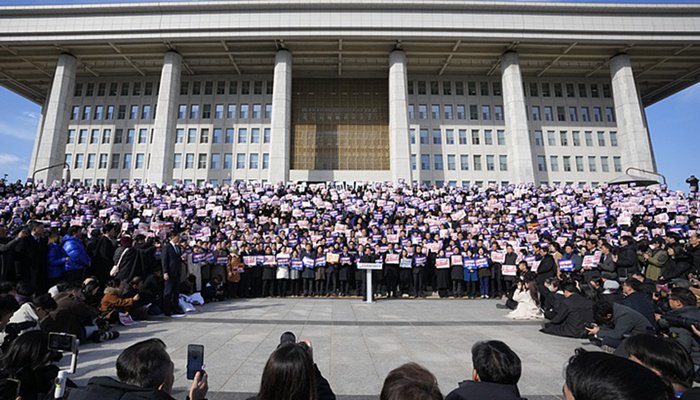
(604, 263)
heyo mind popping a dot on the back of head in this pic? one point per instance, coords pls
(146, 365)
(410, 382)
(665, 357)
(684, 296)
(602, 376)
(602, 310)
(30, 349)
(495, 362)
(289, 374)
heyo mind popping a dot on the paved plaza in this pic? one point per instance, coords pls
(355, 344)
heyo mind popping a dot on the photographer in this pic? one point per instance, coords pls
(29, 361)
(616, 322)
(28, 318)
(679, 321)
(144, 371)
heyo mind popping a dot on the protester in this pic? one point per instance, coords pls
(410, 382)
(614, 322)
(571, 314)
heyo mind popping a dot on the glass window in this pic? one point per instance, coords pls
(477, 162)
(106, 136)
(143, 134)
(244, 111)
(464, 162)
(194, 111)
(567, 163)
(541, 164)
(496, 88)
(548, 115)
(231, 111)
(589, 138)
(447, 88)
(539, 139)
(501, 137)
(206, 111)
(192, 135)
(503, 163)
(266, 161)
(435, 111)
(118, 134)
(570, 90)
(490, 163)
(546, 90)
(475, 136)
(579, 163)
(257, 111)
(438, 162)
(253, 161)
(255, 135)
(573, 114)
(177, 161)
(139, 161)
(216, 136)
(563, 138)
(204, 136)
(561, 114)
(533, 89)
(486, 112)
(576, 138)
(449, 136)
(613, 139)
(606, 90)
(488, 137)
(90, 89)
(410, 87)
(78, 92)
(181, 111)
(121, 112)
(594, 90)
(242, 135)
(115, 162)
(79, 159)
(94, 136)
(461, 112)
(498, 112)
(604, 164)
(451, 165)
(610, 114)
(266, 135)
(412, 136)
(91, 161)
(601, 138)
(459, 88)
(473, 113)
(471, 88)
(136, 89)
(127, 161)
(411, 111)
(423, 136)
(551, 138)
(422, 111)
(82, 136)
(421, 87)
(228, 160)
(434, 88)
(202, 161)
(215, 161)
(585, 114)
(146, 111)
(413, 162)
(448, 111)
(582, 92)
(463, 136)
(437, 136)
(219, 111)
(87, 113)
(189, 160)
(484, 86)
(597, 114)
(268, 111)
(554, 163)
(240, 161)
(99, 110)
(75, 112)
(424, 162)
(229, 135)
(557, 90)
(591, 164)
(535, 113)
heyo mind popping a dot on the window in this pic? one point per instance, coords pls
(192, 135)
(94, 136)
(146, 111)
(136, 89)
(215, 161)
(90, 89)
(233, 87)
(570, 90)
(475, 136)
(610, 114)
(229, 136)
(434, 88)
(435, 111)
(257, 111)
(75, 113)
(604, 164)
(412, 136)
(498, 113)
(208, 87)
(242, 135)
(539, 139)
(557, 90)
(551, 138)
(503, 163)
(471, 88)
(78, 92)
(410, 87)
(594, 90)
(533, 89)
(585, 114)
(561, 114)
(451, 162)
(204, 136)
(606, 90)
(563, 138)
(554, 163)
(139, 161)
(449, 136)
(266, 161)
(118, 134)
(194, 111)
(437, 136)
(573, 114)
(202, 161)
(464, 162)
(231, 111)
(206, 111)
(463, 136)
(121, 112)
(255, 135)
(546, 90)
(424, 162)
(591, 164)
(216, 136)
(413, 162)
(79, 158)
(601, 138)
(115, 162)
(484, 86)
(179, 135)
(459, 88)
(579, 164)
(423, 136)
(567, 163)
(127, 161)
(486, 112)
(411, 111)
(244, 111)
(253, 161)
(597, 114)
(541, 164)
(189, 160)
(134, 111)
(87, 113)
(91, 161)
(473, 113)
(143, 136)
(490, 163)
(577, 138)
(421, 87)
(99, 111)
(228, 160)
(477, 162)
(535, 113)
(422, 111)
(240, 161)
(221, 87)
(266, 135)
(71, 136)
(613, 139)
(497, 88)
(488, 137)
(177, 161)
(438, 162)
(589, 138)
(125, 89)
(219, 111)
(501, 137)
(548, 115)
(447, 88)
(82, 136)
(461, 112)
(448, 111)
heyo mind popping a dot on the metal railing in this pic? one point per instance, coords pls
(646, 172)
(63, 164)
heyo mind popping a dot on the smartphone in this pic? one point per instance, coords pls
(63, 342)
(11, 387)
(195, 360)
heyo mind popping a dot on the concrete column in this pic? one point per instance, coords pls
(281, 119)
(631, 123)
(163, 147)
(517, 134)
(52, 138)
(399, 142)
(37, 139)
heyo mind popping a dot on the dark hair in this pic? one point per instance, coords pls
(602, 376)
(684, 296)
(145, 364)
(45, 301)
(8, 304)
(289, 374)
(28, 350)
(25, 288)
(495, 362)
(601, 310)
(633, 284)
(664, 356)
(73, 230)
(6, 287)
(410, 382)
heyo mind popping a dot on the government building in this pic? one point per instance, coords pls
(445, 92)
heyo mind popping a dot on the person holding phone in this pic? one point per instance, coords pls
(149, 355)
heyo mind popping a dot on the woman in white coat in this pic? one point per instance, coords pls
(528, 301)
(283, 261)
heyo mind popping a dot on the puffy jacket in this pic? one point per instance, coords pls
(79, 258)
(57, 261)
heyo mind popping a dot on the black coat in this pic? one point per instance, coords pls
(171, 261)
(638, 302)
(31, 261)
(547, 269)
(103, 258)
(677, 267)
(7, 259)
(471, 390)
(570, 318)
(627, 260)
(626, 321)
(105, 388)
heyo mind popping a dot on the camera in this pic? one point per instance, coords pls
(63, 342)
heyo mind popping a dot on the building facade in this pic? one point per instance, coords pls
(447, 92)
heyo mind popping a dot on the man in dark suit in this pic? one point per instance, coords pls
(636, 300)
(571, 315)
(171, 260)
(31, 257)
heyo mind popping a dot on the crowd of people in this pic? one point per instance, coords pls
(604, 263)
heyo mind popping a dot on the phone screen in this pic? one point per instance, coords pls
(195, 359)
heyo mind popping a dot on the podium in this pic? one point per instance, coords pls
(369, 267)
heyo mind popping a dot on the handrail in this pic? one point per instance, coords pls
(63, 164)
(646, 172)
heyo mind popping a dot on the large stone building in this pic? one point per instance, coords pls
(445, 91)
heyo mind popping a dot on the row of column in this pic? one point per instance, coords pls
(632, 130)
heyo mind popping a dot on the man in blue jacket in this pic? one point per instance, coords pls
(78, 258)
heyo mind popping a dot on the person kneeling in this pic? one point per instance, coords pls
(495, 375)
